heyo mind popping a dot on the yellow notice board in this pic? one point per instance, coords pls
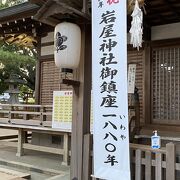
(62, 109)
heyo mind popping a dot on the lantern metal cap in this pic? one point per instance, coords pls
(66, 70)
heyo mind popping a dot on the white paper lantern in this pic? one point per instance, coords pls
(67, 42)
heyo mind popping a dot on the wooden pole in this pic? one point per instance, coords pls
(81, 106)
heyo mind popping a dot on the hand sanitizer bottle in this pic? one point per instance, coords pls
(155, 141)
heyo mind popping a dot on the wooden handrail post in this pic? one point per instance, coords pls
(170, 161)
(42, 117)
(66, 149)
(10, 115)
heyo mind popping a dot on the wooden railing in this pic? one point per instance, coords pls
(25, 114)
(146, 163)
(158, 164)
(31, 118)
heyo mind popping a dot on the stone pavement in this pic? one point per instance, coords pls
(41, 166)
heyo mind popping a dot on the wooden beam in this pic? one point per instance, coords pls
(77, 3)
(28, 22)
(172, 8)
(85, 7)
(8, 137)
(11, 14)
(39, 2)
(42, 10)
(8, 143)
(43, 149)
(73, 3)
(53, 7)
(74, 10)
(18, 28)
(70, 82)
(50, 21)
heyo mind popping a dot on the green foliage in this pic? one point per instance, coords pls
(17, 60)
(26, 94)
(8, 3)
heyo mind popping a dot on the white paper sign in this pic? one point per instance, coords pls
(131, 78)
(62, 110)
(110, 106)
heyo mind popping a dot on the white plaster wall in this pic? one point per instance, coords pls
(47, 50)
(167, 31)
(48, 38)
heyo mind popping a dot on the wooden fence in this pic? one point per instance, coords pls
(146, 163)
(26, 114)
(31, 118)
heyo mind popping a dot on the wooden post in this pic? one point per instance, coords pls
(137, 116)
(86, 157)
(170, 161)
(66, 149)
(25, 116)
(21, 140)
(42, 116)
(81, 106)
(138, 165)
(147, 84)
(158, 168)
(10, 115)
(38, 72)
(148, 160)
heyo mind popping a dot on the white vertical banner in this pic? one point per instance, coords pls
(131, 78)
(110, 104)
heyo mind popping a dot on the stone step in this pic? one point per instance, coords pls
(8, 174)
